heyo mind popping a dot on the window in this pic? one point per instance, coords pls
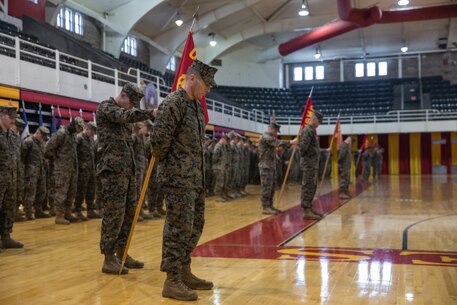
(70, 21)
(382, 68)
(371, 69)
(172, 64)
(319, 72)
(130, 46)
(309, 73)
(34, 1)
(298, 74)
(359, 70)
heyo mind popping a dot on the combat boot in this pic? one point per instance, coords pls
(161, 211)
(52, 212)
(268, 211)
(309, 215)
(68, 216)
(344, 196)
(193, 282)
(111, 265)
(174, 288)
(317, 213)
(92, 214)
(146, 216)
(9, 243)
(41, 214)
(81, 216)
(156, 214)
(29, 216)
(60, 219)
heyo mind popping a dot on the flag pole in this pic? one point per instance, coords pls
(289, 165)
(144, 187)
(358, 158)
(328, 158)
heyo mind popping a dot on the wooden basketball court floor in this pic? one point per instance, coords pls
(394, 243)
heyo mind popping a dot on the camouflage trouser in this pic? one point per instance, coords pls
(50, 186)
(34, 192)
(85, 189)
(65, 188)
(139, 176)
(345, 179)
(208, 180)
(308, 186)
(220, 181)
(119, 197)
(154, 194)
(376, 170)
(239, 181)
(7, 204)
(183, 227)
(366, 171)
(231, 181)
(268, 184)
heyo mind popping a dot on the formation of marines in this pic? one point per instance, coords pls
(71, 168)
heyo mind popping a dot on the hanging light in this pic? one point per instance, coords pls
(213, 41)
(178, 21)
(403, 2)
(404, 48)
(318, 54)
(303, 10)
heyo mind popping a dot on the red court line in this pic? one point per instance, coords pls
(273, 230)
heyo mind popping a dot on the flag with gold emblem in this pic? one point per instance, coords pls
(188, 56)
(307, 113)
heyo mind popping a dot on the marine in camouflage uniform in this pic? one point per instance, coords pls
(344, 166)
(154, 193)
(139, 150)
(234, 166)
(85, 190)
(309, 163)
(16, 137)
(61, 150)
(267, 165)
(220, 173)
(116, 170)
(247, 165)
(229, 167)
(177, 142)
(8, 170)
(32, 156)
(377, 161)
(367, 157)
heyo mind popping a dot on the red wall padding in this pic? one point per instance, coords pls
(426, 153)
(63, 102)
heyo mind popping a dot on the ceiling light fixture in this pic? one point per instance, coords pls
(404, 49)
(178, 21)
(303, 10)
(213, 41)
(318, 54)
(403, 2)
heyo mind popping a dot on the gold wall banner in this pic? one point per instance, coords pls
(436, 148)
(10, 93)
(454, 148)
(415, 153)
(4, 102)
(394, 141)
(334, 160)
(210, 127)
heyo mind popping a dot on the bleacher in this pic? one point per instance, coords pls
(443, 95)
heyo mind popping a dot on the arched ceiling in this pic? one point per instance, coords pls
(262, 25)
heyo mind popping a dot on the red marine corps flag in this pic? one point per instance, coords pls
(338, 134)
(307, 113)
(188, 56)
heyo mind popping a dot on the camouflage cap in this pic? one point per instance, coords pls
(44, 130)
(19, 122)
(206, 72)
(9, 110)
(79, 122)
(232, 135)
(275, 126)
(319, 116)
(226, 136)
(134, 93)
(92, 126)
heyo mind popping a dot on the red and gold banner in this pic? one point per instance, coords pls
(188, 56)
(307, 113)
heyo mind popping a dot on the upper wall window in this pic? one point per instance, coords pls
(130, 46)
(298, 74)
(371, 69)
(70, 20)
(319, 72)
(34, 1)
(172, 64)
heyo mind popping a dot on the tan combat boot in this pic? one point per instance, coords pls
(111, 265)
(81, 216)
(194, 282)
(130, 262)
(174, 288)
(41, 214)
(92, 214)
(60, 219)
(69, 216)
(309, 215)
(9, 243)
